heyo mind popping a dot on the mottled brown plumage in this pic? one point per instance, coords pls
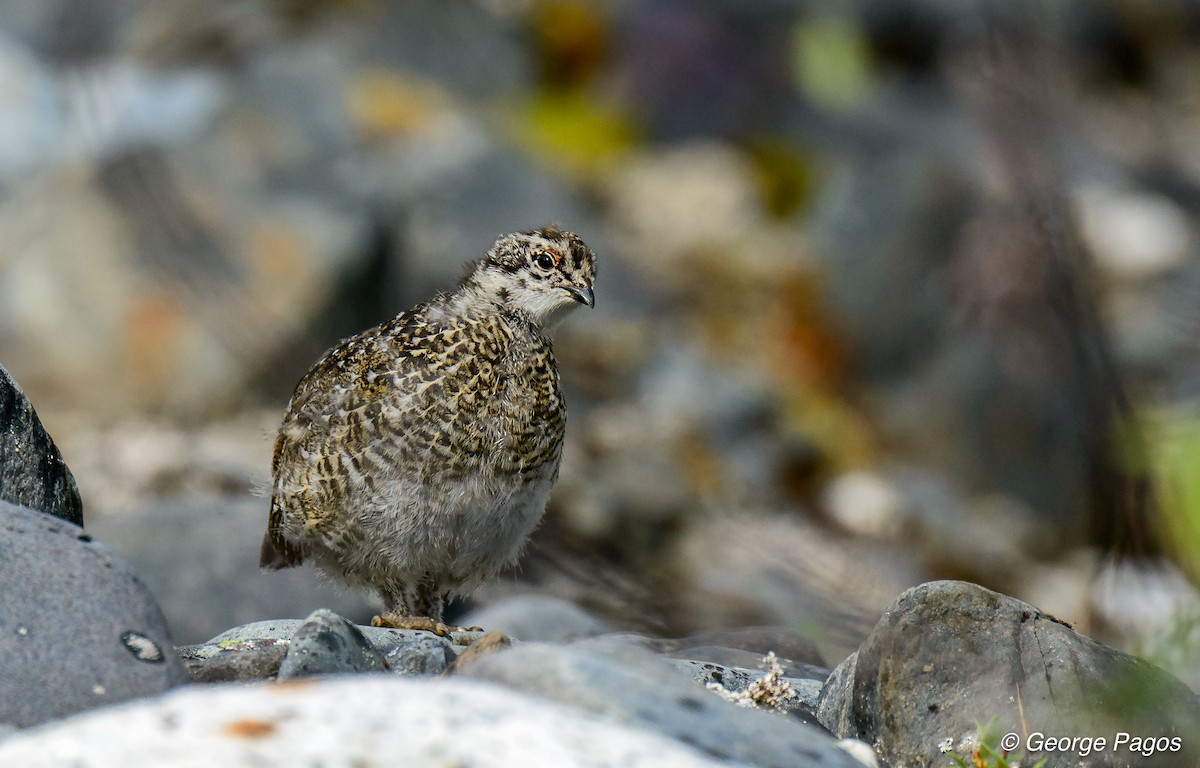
(416, 457)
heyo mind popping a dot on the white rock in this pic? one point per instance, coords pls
(1135, 236)
(344, 721)
(865, 503)
(860, 751)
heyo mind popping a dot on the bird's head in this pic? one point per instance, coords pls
(542, 272)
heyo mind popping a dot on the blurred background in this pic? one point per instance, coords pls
(889, 291)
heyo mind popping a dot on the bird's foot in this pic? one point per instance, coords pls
(395, 621)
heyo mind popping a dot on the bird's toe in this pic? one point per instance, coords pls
(424, 623)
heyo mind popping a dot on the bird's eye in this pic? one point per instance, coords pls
(544, 261)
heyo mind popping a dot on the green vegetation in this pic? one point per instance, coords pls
(989, 754)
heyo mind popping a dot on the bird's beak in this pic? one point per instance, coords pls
(582, 295)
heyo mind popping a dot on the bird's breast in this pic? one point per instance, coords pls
(508, 410)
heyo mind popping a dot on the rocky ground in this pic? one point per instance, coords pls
(870, 280)
(99, 681)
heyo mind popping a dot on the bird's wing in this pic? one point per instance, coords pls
(378, 387)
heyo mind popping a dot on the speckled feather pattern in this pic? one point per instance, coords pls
(416, 457)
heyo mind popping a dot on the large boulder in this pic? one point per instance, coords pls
(949, 657)
(360, 720)
(32, 471)
(77, 628)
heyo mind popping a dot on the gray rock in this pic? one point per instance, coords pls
(327, 644)
(736, 680)
(363, 720)
(246, 660)
(948, 656)
(77, 627)
(384, 639)
(424, 655)
(270, 629)
(630, 685)
(32, 471)
(256, 651)
(537, 617)
(833, 705)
